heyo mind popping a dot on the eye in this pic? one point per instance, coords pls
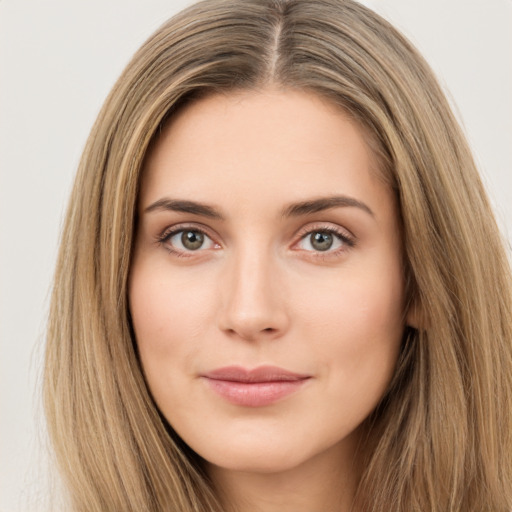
(185, 240)
(325, 240)
(190, 240)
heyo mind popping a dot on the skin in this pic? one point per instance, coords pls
(260, 292)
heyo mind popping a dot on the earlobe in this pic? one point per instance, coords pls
(415, 315)
(414, 312)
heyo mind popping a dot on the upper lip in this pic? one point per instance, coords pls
(259, 374)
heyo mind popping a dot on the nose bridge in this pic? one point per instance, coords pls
(253, 306)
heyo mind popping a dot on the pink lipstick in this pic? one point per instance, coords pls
(254, 388)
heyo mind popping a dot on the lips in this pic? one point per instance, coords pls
(257, 387)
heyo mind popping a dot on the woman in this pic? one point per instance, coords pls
(280, 285)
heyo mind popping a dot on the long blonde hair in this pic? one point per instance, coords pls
(441, 439)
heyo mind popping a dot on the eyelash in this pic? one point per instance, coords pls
(348, 241)
(167, 234)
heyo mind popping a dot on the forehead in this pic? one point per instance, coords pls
(278, 145)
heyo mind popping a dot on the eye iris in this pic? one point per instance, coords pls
(192, 240)
(321, 241)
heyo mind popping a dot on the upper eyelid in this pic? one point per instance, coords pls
(163, 239)
(326, 226)
(346, 241)
(176, 228)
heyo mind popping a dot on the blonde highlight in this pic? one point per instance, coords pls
(445, 425)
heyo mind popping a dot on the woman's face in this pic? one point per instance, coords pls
(266, 288)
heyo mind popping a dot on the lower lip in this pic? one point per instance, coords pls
(254, 394)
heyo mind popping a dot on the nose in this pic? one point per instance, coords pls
(253, 298)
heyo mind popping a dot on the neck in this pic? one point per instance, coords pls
(325, 483)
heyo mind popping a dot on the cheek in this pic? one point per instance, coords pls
(169, 317)
(356, 326)
(165, 306)
(354, 305)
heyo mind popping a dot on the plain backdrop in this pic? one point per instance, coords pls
(58, 60)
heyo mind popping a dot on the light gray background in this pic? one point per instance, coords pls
(58, 60)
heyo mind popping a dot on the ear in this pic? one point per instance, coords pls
(415, 314)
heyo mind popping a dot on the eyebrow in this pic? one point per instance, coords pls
(293, 210)
(324, 203)
(184, 206)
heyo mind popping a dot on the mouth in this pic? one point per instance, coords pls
(257, 387)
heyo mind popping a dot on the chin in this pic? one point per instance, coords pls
(264, 454)
(256, 462)
(245, 453)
